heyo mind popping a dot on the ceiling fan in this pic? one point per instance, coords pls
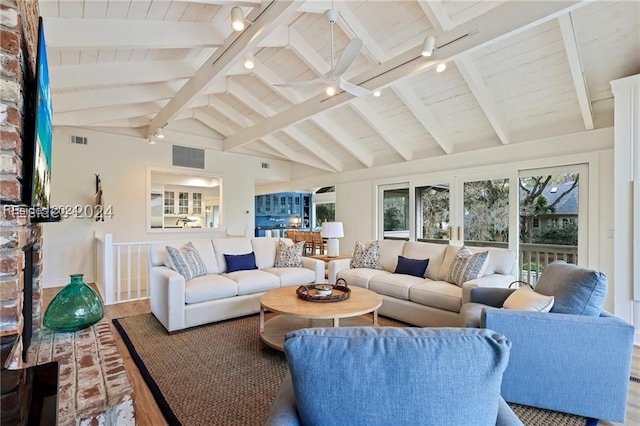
(333, 79)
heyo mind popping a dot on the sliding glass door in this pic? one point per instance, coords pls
(394, 209)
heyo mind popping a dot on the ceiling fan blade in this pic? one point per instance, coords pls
(353, 89)
(348, 55)
(301, 83)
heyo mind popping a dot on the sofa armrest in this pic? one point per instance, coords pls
(167, 294)
(283, 410)
(336, 266)
(316, 266)
(570, 363)
(490, 296)
(493, 280)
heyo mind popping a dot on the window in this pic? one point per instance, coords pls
(536, 223)
(395, 211)
(432, 213)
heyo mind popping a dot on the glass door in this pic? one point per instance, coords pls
(553, 205)
(433, 218)
(394, 205)
(484, 214)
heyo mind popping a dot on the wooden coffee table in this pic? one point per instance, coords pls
(298, 313)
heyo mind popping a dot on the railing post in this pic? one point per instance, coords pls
(107, 269)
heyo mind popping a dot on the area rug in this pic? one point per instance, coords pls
(217, 374)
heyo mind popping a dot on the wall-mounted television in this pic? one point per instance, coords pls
(38, 138)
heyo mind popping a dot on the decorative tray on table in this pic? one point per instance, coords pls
(324, 293)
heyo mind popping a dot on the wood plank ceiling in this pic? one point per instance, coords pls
(515, 71)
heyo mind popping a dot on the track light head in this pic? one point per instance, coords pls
(160, 133)
(248, 61)
(441, 67)
(428, 46)
(377, 93)
(331, 90)
(237, 19)
(152, 140)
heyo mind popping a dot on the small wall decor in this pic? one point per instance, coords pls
(99, 200)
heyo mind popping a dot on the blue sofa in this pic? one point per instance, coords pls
(393, 376)
(574, 359)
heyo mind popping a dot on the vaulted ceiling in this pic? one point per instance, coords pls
(515, 71)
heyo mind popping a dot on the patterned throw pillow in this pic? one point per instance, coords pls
(186, 261)
(289, 256)
(467, 266)
(366, 257)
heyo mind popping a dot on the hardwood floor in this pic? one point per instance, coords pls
(148, 413)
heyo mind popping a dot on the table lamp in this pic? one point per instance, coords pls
(332, 231)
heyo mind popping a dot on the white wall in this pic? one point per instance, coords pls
(356, 191)
(122, 163)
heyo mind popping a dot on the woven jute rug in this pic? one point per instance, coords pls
(217, 374)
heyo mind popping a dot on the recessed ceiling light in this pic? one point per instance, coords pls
(377, 93)
(441, 67)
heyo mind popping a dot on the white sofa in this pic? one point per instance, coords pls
(428, 301)
(219, 295)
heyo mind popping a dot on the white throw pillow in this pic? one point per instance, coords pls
(526, 299)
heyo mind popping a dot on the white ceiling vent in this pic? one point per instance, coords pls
(183, 156)
(79, 140)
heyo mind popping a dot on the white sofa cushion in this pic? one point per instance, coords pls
(437, 294)
(389, 252)
(253, 281)
(433, 252)
(209, 287)
(501, 261)
(293, 276)
(360, 276)
(394, 285)
(224, 246)
(265, 250)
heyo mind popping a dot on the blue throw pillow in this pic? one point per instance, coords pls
(576, 290)
(240, 262)
(415, 267)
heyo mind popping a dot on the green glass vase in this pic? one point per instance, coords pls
(75, 307)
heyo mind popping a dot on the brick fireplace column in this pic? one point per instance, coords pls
(18, 34)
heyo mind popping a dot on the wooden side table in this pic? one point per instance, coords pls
(327, 259)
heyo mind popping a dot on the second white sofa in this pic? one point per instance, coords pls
(219, 294)
(429, 300)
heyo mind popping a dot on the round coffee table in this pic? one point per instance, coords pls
(298, 313)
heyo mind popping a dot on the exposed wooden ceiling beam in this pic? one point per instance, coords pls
(341, 137)
(437, 15)
(577, 70)
(99, 115)
(241, 3)
(382, 127)
(499, 23)
(212, 122)
(244, 96)
(73, 33)
(483, 95)
(233, 115)
(79, 76)
(265, 19)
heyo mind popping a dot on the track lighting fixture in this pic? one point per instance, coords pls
(237, 19)
(160, 133)
(152, 140)
(428, 46)
(331, 90)
(248, 61)
(441, 67)
(377, 93)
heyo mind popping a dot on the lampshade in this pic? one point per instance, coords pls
(428, 45)
(237, 19)
(332, 230)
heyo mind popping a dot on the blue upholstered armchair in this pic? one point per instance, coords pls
(393, 376)
(576, 358)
